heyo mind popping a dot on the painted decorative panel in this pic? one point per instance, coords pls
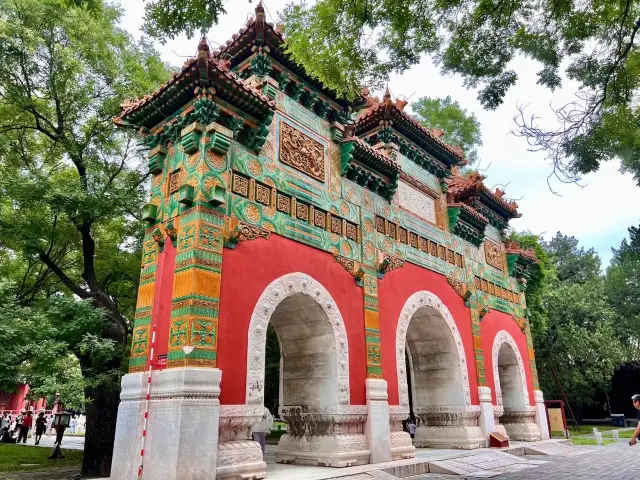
(417, 202)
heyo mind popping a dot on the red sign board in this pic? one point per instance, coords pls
(162, 361)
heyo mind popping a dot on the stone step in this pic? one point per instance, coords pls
(561, 449)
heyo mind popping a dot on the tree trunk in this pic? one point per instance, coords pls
(102, 411)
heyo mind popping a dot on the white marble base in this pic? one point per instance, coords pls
(541, 415)
(449, 427)
(183, 425)
(377, 426)
(317, 436)
(520, 425)
(401, 443)
(239, 458)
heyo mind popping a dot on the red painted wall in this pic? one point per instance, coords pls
(490, 325)
(161, 309)
(247, 271)
(394, 290)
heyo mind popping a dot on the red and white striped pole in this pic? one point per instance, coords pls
(154, 323)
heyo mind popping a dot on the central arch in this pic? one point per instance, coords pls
(430, 352)
(314, 373)
(282, 297)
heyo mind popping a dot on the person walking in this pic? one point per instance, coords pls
(41, 426)
(5, 421)
(261, 429)
(412, 427)
(49, 425)
(27, 423)
(636, 403)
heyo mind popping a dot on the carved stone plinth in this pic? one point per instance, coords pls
(239, 457)
(334, 437)
(499, 428)
(183, 424)
(449, 427)
(521, 425)
(401, 443)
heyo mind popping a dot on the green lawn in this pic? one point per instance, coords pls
(625, 434)
(23, 458)
(590, 441)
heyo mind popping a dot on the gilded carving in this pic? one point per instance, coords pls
(389, 263)
(301, 152)
(352, 232)
(263, 194)
(460, 287)
(302, 211)
(319, 219)
(284, 204)
(493, 254)
(174, 181)
(240, 185)
(336, 225)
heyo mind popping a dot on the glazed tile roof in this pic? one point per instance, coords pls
(257, 31)
(381, 159)
(204, 70)
(473, 212)
(461, 187)
(514, 248)
(413, 129)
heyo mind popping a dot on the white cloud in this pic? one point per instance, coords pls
(598, 214)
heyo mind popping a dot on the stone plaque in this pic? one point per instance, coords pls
(417, 202)
(493, 254)
(301, 152)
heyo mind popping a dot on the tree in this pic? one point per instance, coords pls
(71, 184)
(572, 263)
(459, 127)
(623, 289)
(572, 322)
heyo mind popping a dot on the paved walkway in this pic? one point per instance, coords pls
(613, 462)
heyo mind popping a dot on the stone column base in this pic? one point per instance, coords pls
(332, 437)
(377, 426)
(499, 428)
(541, 415)
(401, 442)
(239, 457)
(449, 427)
(520, 425)
(182, 425)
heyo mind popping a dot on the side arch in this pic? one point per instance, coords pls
(503, 337)
(412, 305)
(277, 291)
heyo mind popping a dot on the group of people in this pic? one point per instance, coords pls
(16, 430)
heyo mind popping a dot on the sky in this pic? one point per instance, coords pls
(592, 212)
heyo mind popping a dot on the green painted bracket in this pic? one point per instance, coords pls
(220, 143)
(157, 157)
(346, 156)
(454, 216)
(191, 138)
(512, 259)
(185, 194)
(150, 213)
(217, 195)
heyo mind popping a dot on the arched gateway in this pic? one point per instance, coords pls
(258, 173)
(314, 378)
(514, 416)
(428, 342)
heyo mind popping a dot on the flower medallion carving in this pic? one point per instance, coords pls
(493, 254)
(271, 297)
(301, 152)
(503, 337)
(411, 306)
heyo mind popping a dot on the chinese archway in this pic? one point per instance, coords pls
(346, 226)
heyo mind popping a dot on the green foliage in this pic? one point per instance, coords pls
(459, 127)
(42, 344)
(71, 187)
(623, 289)
(572, 321)
(165, 19)
(347, 44)
(272, 371)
